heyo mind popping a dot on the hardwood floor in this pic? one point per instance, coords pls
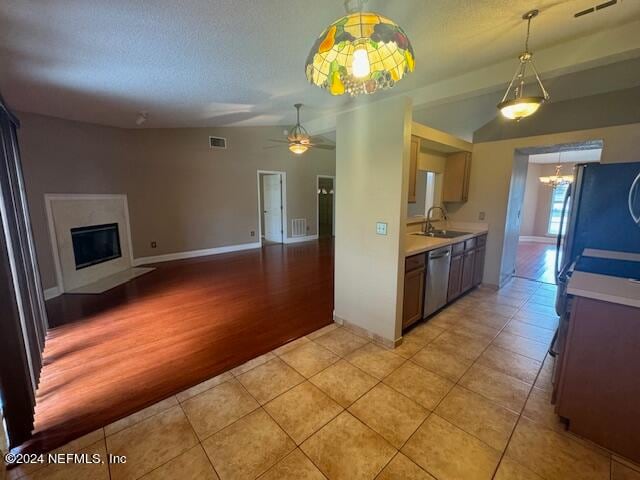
(171, 329)
(536, 261)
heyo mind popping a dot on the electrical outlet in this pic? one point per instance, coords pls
(381, 228)
(154, 244)
(482, 216)
(253, 233)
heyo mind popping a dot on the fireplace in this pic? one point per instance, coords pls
(95, 244)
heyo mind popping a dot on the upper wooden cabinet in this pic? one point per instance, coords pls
(413, 167)
(456, 177)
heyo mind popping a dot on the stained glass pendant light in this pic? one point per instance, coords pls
(515, 105)
(360, 53)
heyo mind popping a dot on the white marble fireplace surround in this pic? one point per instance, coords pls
(67, 211)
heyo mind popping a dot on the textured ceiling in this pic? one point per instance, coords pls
(463, 117)
(241, 62)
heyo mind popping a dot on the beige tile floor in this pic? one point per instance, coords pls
(466, 396)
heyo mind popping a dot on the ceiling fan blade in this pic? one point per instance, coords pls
(279, 141)
(323, 147)
(272, 146)
(319, 139)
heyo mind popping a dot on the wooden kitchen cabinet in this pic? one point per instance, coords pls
(413, 301)
(457, 172)
(455, 277)
(413, 167)
(468, 264)
(478, 266)
(599, 363)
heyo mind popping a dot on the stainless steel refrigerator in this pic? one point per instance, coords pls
(602, 212)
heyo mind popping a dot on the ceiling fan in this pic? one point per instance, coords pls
(299, 140)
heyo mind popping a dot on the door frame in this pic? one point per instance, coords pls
(333, 220)
(283, 177)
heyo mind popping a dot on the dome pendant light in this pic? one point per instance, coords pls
(360, 53)
(515, 105)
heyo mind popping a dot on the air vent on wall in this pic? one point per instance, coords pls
(218, 142)
(597, 8)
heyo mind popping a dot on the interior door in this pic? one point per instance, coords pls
(272, 208)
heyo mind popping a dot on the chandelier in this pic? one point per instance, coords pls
(515, 105)
(360, 53)
(557, 179)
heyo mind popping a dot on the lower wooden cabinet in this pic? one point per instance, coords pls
(597, 387)
(455, 277)
(468, 265)
(465, 272)
(478, 266)
(414, 277)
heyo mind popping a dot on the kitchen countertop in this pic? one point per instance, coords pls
(606, 288)
(415, 244)
(631, 257)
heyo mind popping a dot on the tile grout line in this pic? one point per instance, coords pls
(198, 439)
(449, 328)
(340, 357)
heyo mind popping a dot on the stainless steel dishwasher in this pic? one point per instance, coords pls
(437, 284)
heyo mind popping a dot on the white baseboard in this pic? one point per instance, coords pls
(306, 238)
(549, 240)
(52, 292)
(195, 253)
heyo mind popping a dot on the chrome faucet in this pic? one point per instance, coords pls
(428, 227)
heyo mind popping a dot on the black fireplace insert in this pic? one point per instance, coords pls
(95, 244)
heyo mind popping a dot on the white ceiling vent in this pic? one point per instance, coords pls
(218, 142)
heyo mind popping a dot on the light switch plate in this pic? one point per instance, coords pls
(381, 228)
(482, 216)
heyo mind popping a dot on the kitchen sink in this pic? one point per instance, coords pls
(441, 234)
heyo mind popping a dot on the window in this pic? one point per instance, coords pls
(430, 191)
(557, 202)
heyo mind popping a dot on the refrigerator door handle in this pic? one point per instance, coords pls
(560, 234)
(632, 191)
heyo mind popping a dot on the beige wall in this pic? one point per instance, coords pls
(530, 203)
(372, 162)
(491, 170)
(181, 194)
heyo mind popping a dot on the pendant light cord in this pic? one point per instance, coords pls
(526, 42)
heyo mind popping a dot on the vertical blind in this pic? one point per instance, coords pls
(23, 321)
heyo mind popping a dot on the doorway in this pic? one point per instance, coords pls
(325, 205)
(534, 217)
(272, 206)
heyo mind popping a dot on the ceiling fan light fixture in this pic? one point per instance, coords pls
(360, 53)
(514, 104)
(298, 148)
